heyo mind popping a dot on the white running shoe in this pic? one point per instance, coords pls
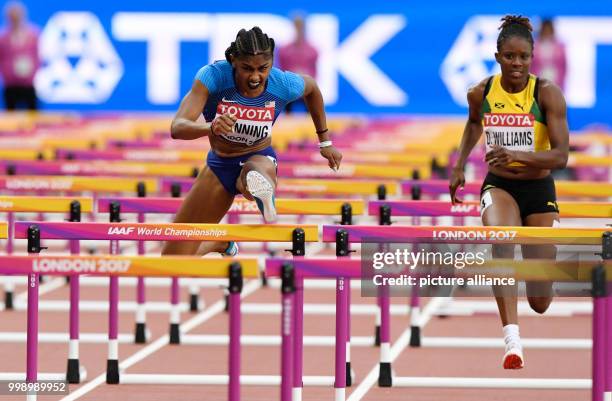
(513, 359)
(263, 192)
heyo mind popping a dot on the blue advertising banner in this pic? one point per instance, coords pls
(381, 57)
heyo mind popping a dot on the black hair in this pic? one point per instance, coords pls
(250, 43)
(514, 25)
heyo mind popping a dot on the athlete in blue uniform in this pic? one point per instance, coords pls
(240, 99)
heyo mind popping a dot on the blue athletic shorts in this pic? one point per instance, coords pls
(227, 169)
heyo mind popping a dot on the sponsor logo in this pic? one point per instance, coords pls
(509, 120)
(80, 64)
(462, 208)
(45, 265)
(121, 230)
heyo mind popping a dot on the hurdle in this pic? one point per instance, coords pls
(15, 204)
(346, 209)
(385, 210)
(115, 232)
(114, 266)
(74, 207)
(298, 269)
(602, 375)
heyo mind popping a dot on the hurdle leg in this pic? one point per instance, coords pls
(349, 373)
(599, 334)
(298, 339)
(608, 336)
(235, 288)
(9, 286)
(384, 370)
(32, 340)
(112, 363)
(341, 329)
(194, 295)
(415, 309)
(377, 328)
(140, 336)
(287, 330)
(140, 331)
(415, 314)
(73, 369)
(175, 312)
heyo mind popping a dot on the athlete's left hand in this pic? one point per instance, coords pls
(333, 157)
(499, 157)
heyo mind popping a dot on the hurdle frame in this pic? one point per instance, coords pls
(602, 315)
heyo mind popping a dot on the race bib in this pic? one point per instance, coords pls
(510, 131)
(253, 124)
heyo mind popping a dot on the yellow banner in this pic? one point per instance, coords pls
(47, 204)
(187, 266)
(586, 189)
(3, 229)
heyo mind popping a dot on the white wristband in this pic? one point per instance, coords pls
(325, 144)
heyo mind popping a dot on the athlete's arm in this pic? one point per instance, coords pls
(314, 102)
(184, 125)
(471, 134)
(553, 103)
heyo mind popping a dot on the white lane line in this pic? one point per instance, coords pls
(200, 318)
(401, 344)
(43, 289)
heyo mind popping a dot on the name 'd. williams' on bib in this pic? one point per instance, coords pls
(510, 131)
(253, 124)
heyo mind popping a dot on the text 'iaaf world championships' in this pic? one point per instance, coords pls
(167, 231)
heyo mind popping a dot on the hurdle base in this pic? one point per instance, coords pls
(8, 300)
(140, 333)
(384, 375)
(73, 374)
(415, 336)
(175, 337)
(112, 371)
(377, 336)
(193, 302)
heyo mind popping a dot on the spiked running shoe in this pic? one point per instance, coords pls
(513, 359)
(263, 192)
(231, 250)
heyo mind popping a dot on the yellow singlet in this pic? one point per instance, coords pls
(514, 120)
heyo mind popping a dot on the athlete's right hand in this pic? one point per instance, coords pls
(457, 179)
(223, 124)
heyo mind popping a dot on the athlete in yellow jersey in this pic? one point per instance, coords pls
(526, 136)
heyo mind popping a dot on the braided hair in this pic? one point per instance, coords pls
(250, 43)
(514, 25)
